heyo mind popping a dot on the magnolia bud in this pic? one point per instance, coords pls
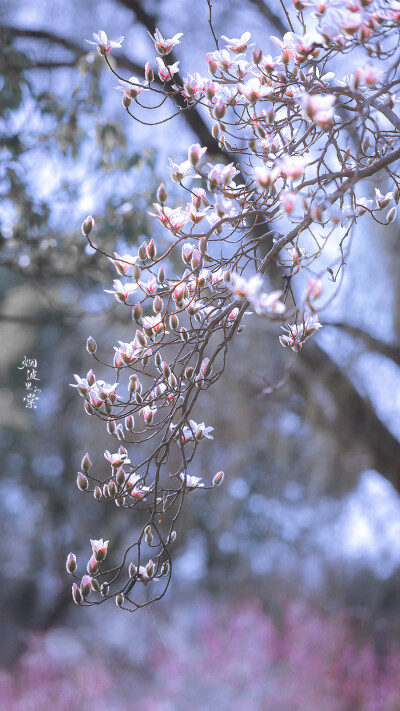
(215, 130)
(256, 55)
(81, 481)
(142, 252)
(136, 272)
(164, 568)
(120, 477)
(112, 488)
(148, 535)
(91, 345)
(86, 463)
(161, 193)
(104, 590)
(189, 372)
(391, 216)
(173, 322)
(71, 563)
(111, 427)
(152, 250)
(161, 275)
(218, 479)
(150, 568)
(136, 312)
(172, 381)
(157, 304)
(141, 339)
(87, 225)
(119, 600)
(184, 334)
(95, 585)
(172, 537)
(219, 109)
(97, 493)
(132, 570)
(129, 423)
(148, 72)
(86, 585)
(126, 101)
(76, 594)
(92, 566)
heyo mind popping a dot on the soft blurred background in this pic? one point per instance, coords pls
(286, 590)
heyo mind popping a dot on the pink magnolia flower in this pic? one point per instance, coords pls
(173, 220)
(269, 303)
(220, 175)
(296, 335)
(319, 108)
(99, 548)
(166, 72)
(181, 170)
(195, 153)
(135, 489)
(154, 324)
(103, 43)
(254, 90)
(131, 87)
(121, 291)
(293, 166)
(196, 431)
(162, 45)
(314, 288)
(288, 201)
(238, 45)
(116, 460)
(123, 264)
(191, 482)
(245, 288)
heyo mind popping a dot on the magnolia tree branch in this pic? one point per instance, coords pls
(285, 124)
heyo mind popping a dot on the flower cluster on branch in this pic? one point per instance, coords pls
(297, 144)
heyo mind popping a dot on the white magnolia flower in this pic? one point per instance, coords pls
(102, 41)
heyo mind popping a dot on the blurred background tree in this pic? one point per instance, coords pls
(310, 501)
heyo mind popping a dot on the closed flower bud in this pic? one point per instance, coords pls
(148, 535)
(120, 477)
(93, 565)
(172, 537)
(219, 109)
(148, 72)
(215, 130)
(157, 304)
(141, 339)
(165, 369)
(129, 423)
(111, 426)
(173, 322)
(86, 463)
(91, 345)
(184, 334)
(150, 568)
(88, 408)
(87, 225)
(152, 249)
(172, 381)
(142, 252)
(86, 585)
(391, 216)
(256, 55)
(97, 493)
(189, 372)
(81, 481)
(71, 563)
(136, 312)
(136, 272)
(161, 193)
(119, 600)
(76, 594)
(95, 585)
(164, 568)
(161, 275)
(132, 570)
(104, 590)
(218, 479)
(112, 488)
(126, 101)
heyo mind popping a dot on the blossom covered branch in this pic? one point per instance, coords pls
(300, 143)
